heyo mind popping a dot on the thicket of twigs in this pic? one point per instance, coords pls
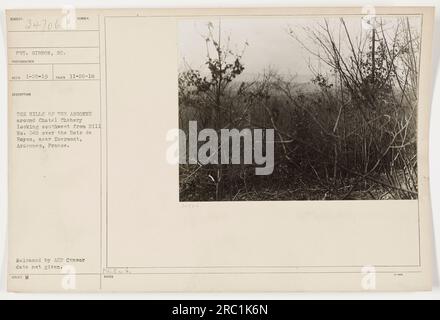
(348, 134)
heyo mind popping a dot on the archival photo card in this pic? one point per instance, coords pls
(219, 150)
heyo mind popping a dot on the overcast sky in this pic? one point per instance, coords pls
(269, 41)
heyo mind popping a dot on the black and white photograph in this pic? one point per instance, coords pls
(298, 108)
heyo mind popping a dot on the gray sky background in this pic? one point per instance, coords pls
(268, 39)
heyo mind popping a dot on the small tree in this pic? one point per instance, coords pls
(207, 90)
